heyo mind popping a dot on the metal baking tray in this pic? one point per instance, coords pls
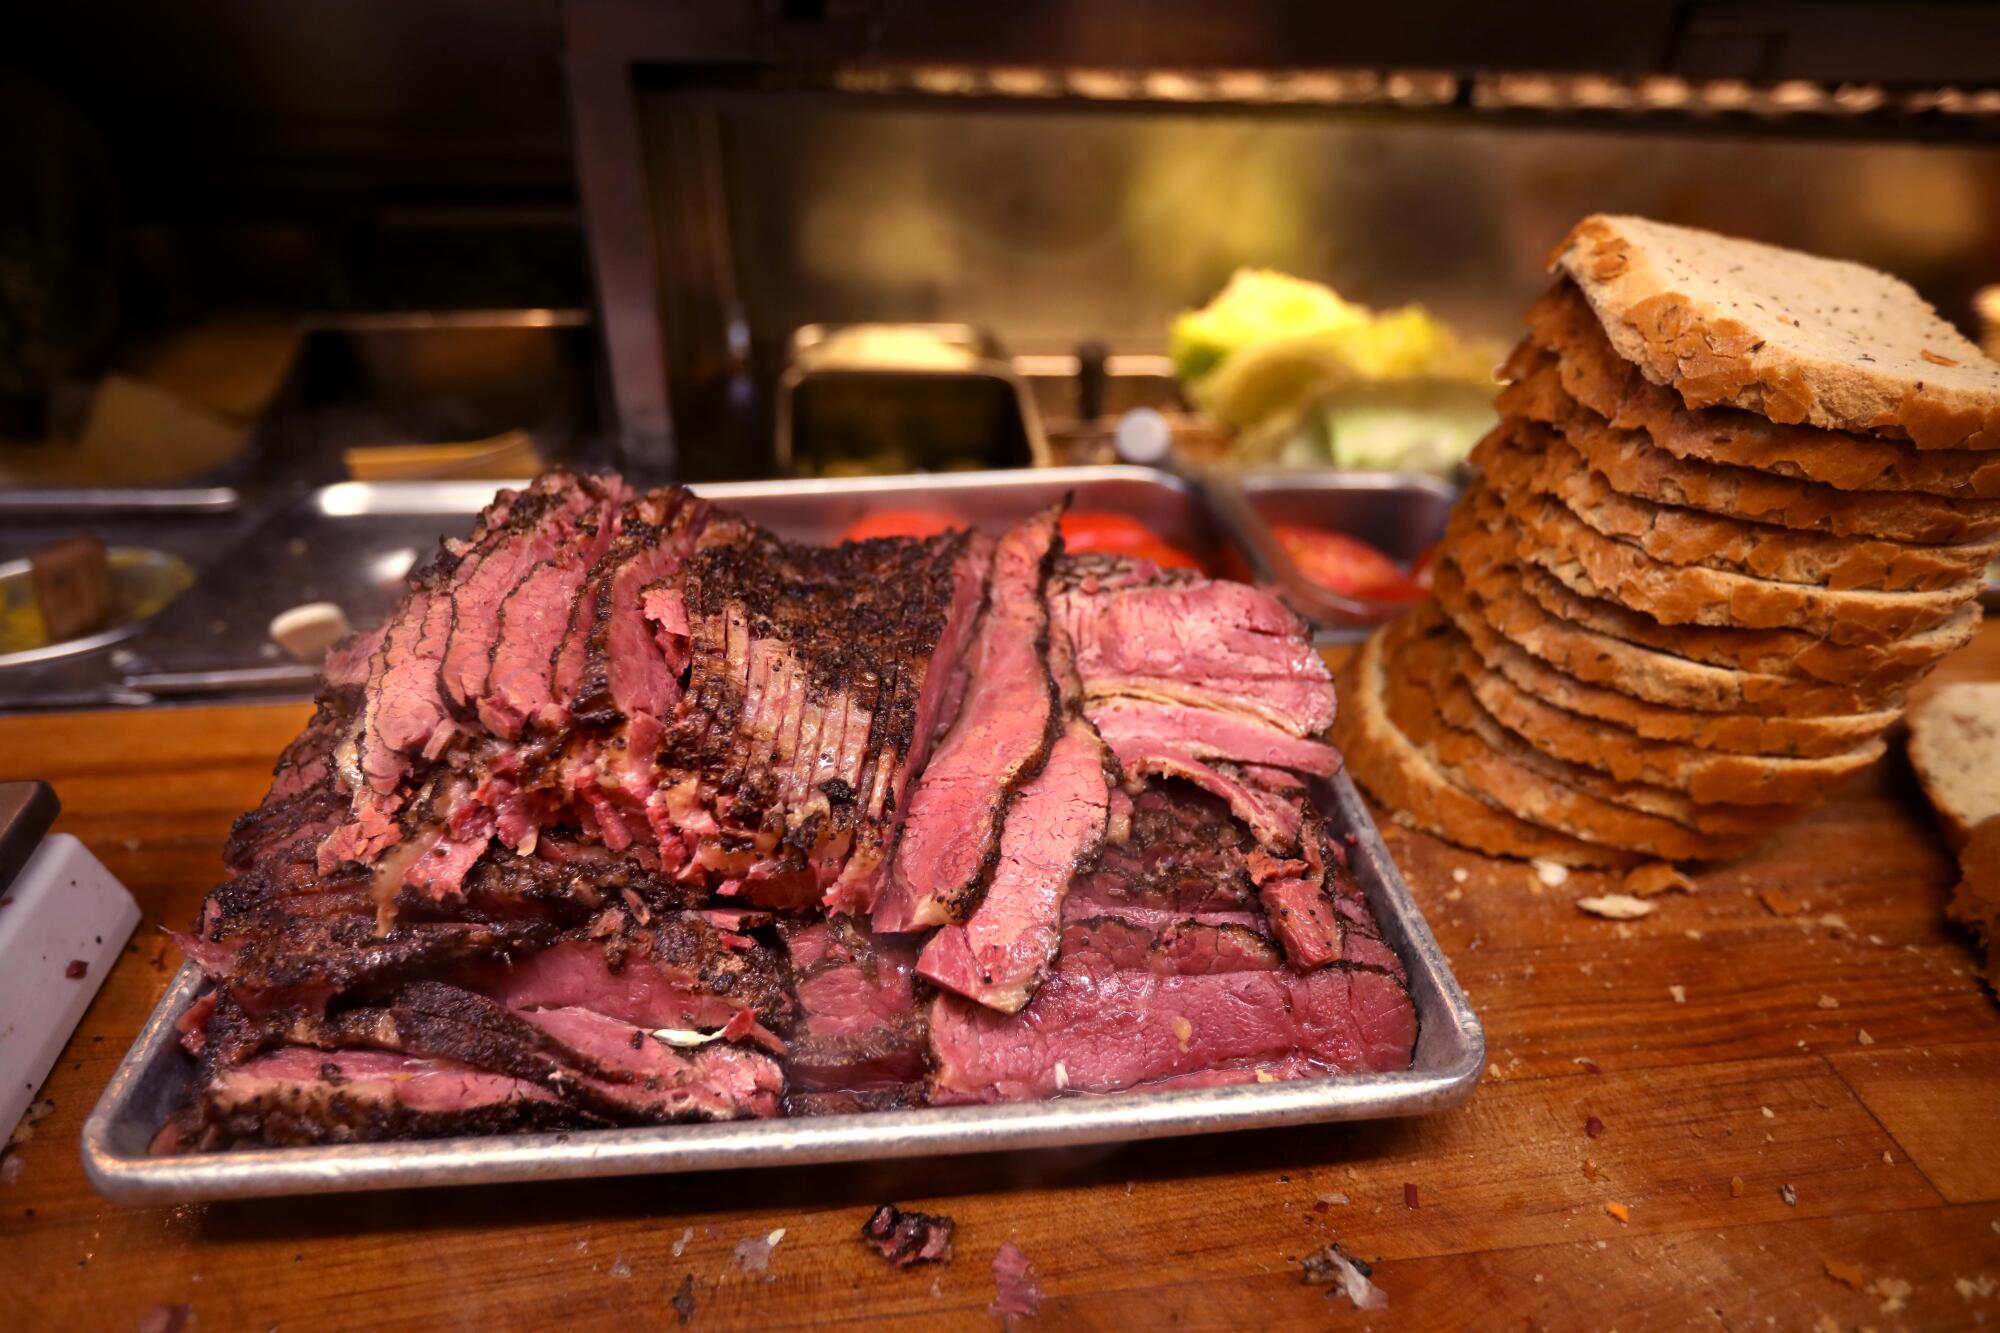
(351, 543)
(154, 1078)
(1401, 514)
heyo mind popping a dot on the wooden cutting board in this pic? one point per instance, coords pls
(1794, 1073)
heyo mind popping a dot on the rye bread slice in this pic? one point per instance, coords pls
(1490, 759)
(1485, 562)
(1632, 464)
(1789, 336)
(1732, 733)
(1705, 775)
(1403, 777)
(1955, 750)
(1563, 324)
(1525, 453)
(1591, 563)
(1874, 667)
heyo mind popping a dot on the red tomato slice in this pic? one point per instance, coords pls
(901, 523)
(1100, 530)
(1346, 565)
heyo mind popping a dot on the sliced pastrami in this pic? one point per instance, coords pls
(1204, 735)
(1001, 739)
(1123, 1011)
(541, 525)
(1181, 639)
(1053, 830)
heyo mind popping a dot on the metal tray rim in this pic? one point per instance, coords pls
(1445, 1018)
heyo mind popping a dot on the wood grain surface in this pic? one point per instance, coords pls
(1774, 1094)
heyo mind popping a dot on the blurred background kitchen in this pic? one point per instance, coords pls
(258, 260)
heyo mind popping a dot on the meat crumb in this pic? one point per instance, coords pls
(1848, 1275)
(1616, 907)
(753, 1253)
(1594, 1127)
(1779, 903)
(1789, 1195)
(77, 967)
(1591, 1171)
(1333, 1266)
(683, 1301)
(1409, 1196)
(1016, 1292)
(1619, 1211)
(909, 1238)
(1589, 1066)
(1828, 1002)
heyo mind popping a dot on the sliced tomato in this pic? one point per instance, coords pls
(901, 523)
(1101, 530)
(1346, 565)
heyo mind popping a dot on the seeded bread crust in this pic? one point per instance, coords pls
(1895, 665)
(1424, 691)
(1732, 733)
(1633, 465)
(1789, 336)
(1773, 651)
(1596, 565)
(1525, 454)
(1401, 776)
(1484, 562)
(1563, 324)
(1955, 750)
(1708, 777)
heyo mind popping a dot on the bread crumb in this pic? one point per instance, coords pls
(1981, 1286)
(1863, 1037)
(1616, 907)
(1769, 1114)
(1655, 878)
(1552, 873)
(1780, 903)
(1893, 1291)
(1887, 1158)
(1591, 1171)
(1825, 1324)
(1848, 1275)
(1692, 934)
(1680, 994)
(1619, 1211)
(1789, 1195)
(1828, 1002)
(1834, 922)
(1454, 895)
(1459, 874)
(1736, 1187)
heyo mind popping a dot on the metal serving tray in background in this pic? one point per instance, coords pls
(1401, 514)
(154, 1078)
(352, 543)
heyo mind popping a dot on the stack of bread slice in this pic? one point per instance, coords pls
(1739, 501)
